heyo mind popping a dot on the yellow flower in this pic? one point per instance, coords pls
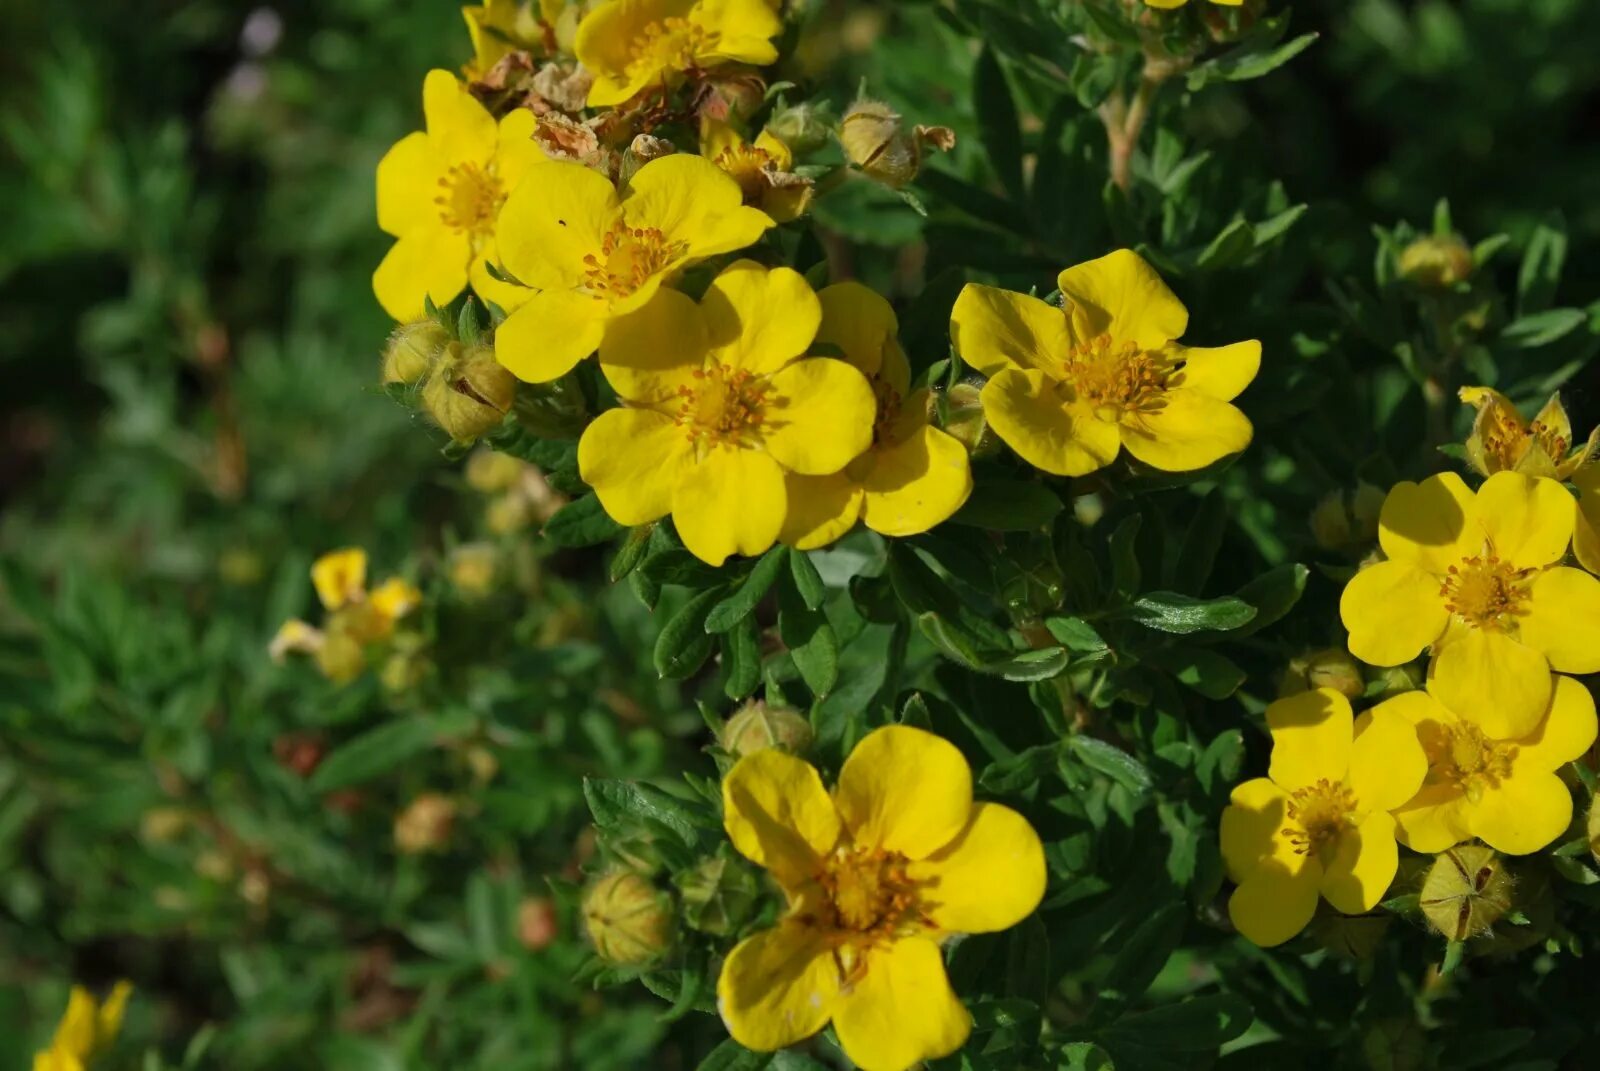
(340, 577)
(876, 875)
(1586, 528)
(913, 476)
(1502, 440)
(1503, 791)
(440, 194)
(595, 256)
(1068, 388)
(86, 1030)
(721, 403)
(498, 28)
(1319, 822)
(630, 45)
(1168, 4)
(1475, 576)
(761, 170)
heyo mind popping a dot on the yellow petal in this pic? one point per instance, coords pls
(1121, 295)
(691, 200)
(901, 1010)
(1254, 829)
(75, 1034)
(1563, 619)
(394, 599)
(1565, 734)
(652, 353)
(1528, 519)
(1492, 680)
(1220, 372)
(904, 790)
(1433, 820)
(1392, 610)
(1029, 413)
(108, 1022)
(759, 319)
(817, 416)
(740, 31)
(1167, 5)
(993, 329)
(777, 987)
(460, 128)
(989, 878)
(916, 483)
(430, 261)
(1311, 737)
(1189, 431)
(1363, 865)
(1432, 524)
(340, 577)
(605, 45)
(859, 321)
(729, 501)
(821, 509)
(778, 815)
(633, 458)
(549, 225)
(554, 330)
(1522, 814)
(516, 153)
(408, 177)
(1275, 902)
(1387, 763)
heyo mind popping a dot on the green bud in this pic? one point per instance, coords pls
(756, 727)
(1466, 891)
(1331, 667)
(966, 420)
(802, 127)
(1436, 262)
(629, 920)
(413, 350)
(469, 392)
(718, 895)
(875, 140)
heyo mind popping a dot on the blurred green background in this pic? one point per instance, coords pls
(188, 346)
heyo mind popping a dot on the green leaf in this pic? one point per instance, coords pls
(810, 639)
(1207, 672)
(374, 752)
(615, 804)
(1009, 506)
(1139, 958)
(997, 123)
(738, 606)
(1273, 594)
(1542, 328)
(683, 644)
(582, 522)
(1199, 1024)
(631, 553)
(1258, 55)
(1540, 272)
(741, 658)
(1125, 571)
(1075, 634)
(1168, 611)
(469, 329)
(1112, 761)
(806, 580)
(732, 1056)
(1028, 961)
(1201, 542)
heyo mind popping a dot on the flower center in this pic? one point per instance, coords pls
(1116, 377)
(1485, 592)
(1472, 762)
(869, 895)
(628, 256)
(747, 166)
(888, 411)
(469, 198)
(671, 44)
(1554, 443)
(723, 406)
(1321, 812)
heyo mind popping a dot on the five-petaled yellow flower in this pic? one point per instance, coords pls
(1179, 3)
(876, 875)
(1069, 388)
(721, 403)
(87, 1029)
(1475, 576)
(440, 194)
(1505, 792)
(761, 168)
(355, 614)
(498, 28)
(1319, 822)
(595, 256)
(1502, 440)
(913, 476)
(633, 45)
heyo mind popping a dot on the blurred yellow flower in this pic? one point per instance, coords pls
(1069, 388)
(87, 1029)
(1502, 440)
(1475, 576)
(1319, 822)
(356, 617)
(1168, 4)
(498, 28)
(1504, 792)
(340, 577)
(877, 875)
(913, 476)
(720, 403)
(595, 256)
(761, 169)
(440, 194)
(632, 45)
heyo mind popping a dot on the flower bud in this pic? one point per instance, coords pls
(1436, 262)
(802, 127)
(1466, 891)
(730, 93)
(643, 149)
(537, 923)
(756, 727)
(469, 393)
(160, 825)
(876, 141)
(629, 920)
(413, 350)
(966, 420)
(472, 569)
(718, 895)
(1331, 667)
(425, 824)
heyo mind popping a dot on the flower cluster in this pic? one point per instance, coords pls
(356, 620)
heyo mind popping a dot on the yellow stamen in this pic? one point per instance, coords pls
(1319, 813)
(672, 44)
(470, 198)
(627, 258)
(1472, 762)
(1117, 377)
(1485, 592)
(723, 407)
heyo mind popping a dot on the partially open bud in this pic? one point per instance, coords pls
(629, 920)
(1331, 667)
(876, 141)
(1436, 262)
(803, 127)
(469, 393)
(425, 824)
(967, 421)
(1466, 891)
(413, 350)
(730, 93)
(537, 923)
(640, 151)
(718, 895)
(756, 727)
